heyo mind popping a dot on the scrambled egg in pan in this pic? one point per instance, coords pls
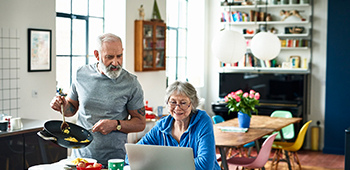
(72, 139)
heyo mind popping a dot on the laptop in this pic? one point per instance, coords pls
(155, 157)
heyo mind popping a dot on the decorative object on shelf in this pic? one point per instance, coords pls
(286, 65)
(229, 46)
(293, 30)
(265, 46)
(242, 102)
(291, 13)
(295, 60)
(39, 50)
(273, 30)
(142, 13)
(304, 65)
(156, 14)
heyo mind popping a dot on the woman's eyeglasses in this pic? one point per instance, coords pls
(182, 105)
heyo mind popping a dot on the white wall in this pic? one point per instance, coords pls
(153, 82)
(21, 15)
(318, 73)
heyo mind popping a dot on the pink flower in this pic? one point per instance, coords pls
(251, 92)
(226, 99)
(257, 96)
(251, 95)
(239, 92)
(238, 99)
(233, 94)
(245, 94)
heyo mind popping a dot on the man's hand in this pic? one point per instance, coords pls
(105, 126)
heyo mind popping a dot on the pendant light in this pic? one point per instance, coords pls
(229, 46)
(265, 46)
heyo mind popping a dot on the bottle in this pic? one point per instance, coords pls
(305, 63)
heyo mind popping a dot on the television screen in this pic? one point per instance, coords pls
(279, 87)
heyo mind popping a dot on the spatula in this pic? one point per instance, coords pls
(64, 125)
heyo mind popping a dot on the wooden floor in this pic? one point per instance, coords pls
(310, 160)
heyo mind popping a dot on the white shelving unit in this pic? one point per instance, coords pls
(305, 10)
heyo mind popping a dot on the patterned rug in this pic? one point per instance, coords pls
(284, 166)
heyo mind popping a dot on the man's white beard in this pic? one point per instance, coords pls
(108, 72)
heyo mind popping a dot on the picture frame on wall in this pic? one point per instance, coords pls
(39, 50)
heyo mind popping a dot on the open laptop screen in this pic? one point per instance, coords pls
(154, 157)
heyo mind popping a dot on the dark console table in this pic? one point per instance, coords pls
(23, 148)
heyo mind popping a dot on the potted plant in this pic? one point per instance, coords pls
(244, 103)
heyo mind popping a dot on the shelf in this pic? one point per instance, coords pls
(263, 70)
(288, 48)
(294, 48)
(280, 35)
(269, 23)
(264, 6)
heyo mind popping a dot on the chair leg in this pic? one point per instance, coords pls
(278, 158)
(249, 151)
(273, 159)
(298, 162)
(291, 159)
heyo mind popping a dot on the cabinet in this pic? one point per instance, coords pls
(150, 39)
(293, 45)
(22, 151)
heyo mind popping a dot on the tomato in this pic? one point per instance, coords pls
(82, 164)
(96, 165)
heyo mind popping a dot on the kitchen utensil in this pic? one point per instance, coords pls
(16, 123)
(53, 132)
(3, 125)
(64, 126)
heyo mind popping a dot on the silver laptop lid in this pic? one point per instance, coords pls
(155, 157)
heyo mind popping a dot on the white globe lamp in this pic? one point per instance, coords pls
(265, 46)
(229, 46)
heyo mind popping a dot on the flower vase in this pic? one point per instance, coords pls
(243, 120)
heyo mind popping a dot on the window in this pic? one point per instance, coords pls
(78, 23)
(176, 68)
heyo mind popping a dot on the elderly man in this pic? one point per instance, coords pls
(104, 95)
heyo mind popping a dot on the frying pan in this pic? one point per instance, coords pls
(52, 131)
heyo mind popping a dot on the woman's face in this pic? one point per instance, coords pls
(179, 107)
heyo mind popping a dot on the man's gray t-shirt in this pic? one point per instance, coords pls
(103, 98)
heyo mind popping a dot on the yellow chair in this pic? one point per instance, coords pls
(290, 148)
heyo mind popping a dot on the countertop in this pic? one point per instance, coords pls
(29, 125)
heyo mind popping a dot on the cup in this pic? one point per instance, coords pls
(16, 123)
(3, 125)
(160, 111)
(115, 164)
(8, 119)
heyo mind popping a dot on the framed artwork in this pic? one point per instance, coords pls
(39, 50)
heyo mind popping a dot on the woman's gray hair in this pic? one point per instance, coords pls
(184, 88)
(106, 37)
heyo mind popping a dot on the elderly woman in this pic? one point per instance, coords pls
(186, 126)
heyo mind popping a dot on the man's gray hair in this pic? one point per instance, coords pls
(184, 88)
(106, 37)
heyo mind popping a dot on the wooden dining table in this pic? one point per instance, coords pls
(259, 127)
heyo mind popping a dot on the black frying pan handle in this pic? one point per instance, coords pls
(45, 135)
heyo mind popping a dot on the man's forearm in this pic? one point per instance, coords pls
(70, 110)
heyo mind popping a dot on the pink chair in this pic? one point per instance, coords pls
(257, 162)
